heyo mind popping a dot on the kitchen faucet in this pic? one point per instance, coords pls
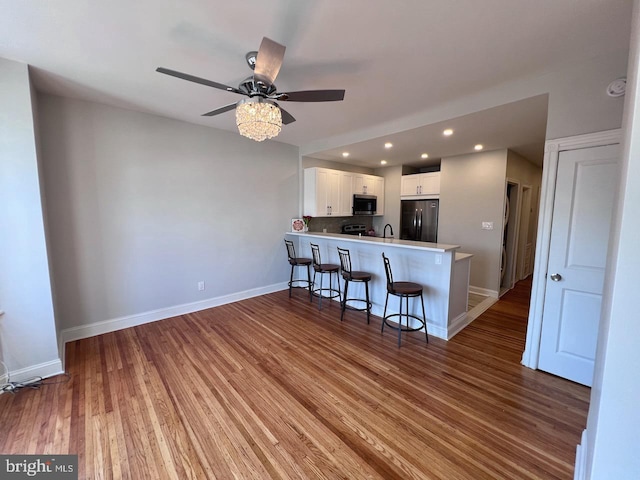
(384, 232)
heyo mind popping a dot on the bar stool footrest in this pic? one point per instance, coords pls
(303, 280)
(317, 292)
(404, 329)
(350, 307)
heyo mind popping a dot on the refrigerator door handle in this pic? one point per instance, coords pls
(420, 226)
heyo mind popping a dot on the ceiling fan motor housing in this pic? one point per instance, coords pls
(253, 87)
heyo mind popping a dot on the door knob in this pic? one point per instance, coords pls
(556, 277)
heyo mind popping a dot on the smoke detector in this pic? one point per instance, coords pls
(617, 88)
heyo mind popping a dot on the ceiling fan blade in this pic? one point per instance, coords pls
(201, 81)
(287, 118)
(312, 96)
(220, 110)
(269, 61)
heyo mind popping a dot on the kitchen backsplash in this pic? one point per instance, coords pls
(334, 224)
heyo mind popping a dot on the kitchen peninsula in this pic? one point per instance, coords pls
(443, 272)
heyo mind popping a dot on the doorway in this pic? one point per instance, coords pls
(510, 236)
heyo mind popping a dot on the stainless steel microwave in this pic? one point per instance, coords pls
(365, 204)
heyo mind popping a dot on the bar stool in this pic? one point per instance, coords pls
(297, 262)
(402, 290)
(322, 268)
(350, 275)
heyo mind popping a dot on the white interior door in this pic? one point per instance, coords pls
(582, 210)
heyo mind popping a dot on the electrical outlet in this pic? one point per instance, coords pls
(487, 225)
(201, 285)
(438, 259)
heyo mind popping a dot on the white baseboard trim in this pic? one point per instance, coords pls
(437, 331)
(580, 472)
(107, 326)
(44, 370)
(466, 318)
(458, 324)
(483, 291)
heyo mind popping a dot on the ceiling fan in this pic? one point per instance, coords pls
(260, 117)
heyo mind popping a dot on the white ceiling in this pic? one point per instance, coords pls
(394, 59)
(520, 126)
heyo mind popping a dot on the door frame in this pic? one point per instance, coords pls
(523, 233)
(552, 149)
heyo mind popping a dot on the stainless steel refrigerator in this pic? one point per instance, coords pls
(419, 220)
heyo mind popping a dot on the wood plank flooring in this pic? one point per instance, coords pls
(272, 388)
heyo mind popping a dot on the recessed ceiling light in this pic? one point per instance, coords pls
(424, 155)
(388, 145)
(478, 147)
(383, 162)
(345, 154)
(447, 132)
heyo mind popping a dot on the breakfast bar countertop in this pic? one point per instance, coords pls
(441, 269)
(433, 247)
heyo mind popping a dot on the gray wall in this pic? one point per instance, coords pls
(392, 178)
(27, 329)
(141, 208)
(472, 189)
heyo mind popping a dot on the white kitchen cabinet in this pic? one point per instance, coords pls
(322, 192)
(364, 184)
(424, 185)
(370, 185)
(329, 193)
(346, 194)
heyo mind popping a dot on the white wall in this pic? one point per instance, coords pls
(141, 208)
(27, 330)
(472, 189)
(613, 425)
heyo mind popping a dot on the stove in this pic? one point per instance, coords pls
(354, 229)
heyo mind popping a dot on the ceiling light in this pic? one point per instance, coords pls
(388, 145)
(447, 132)
(345, 154)
(383, 162)
(478, 147)
(258, 119)
(424, 155)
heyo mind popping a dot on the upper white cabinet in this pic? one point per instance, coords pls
(364, 184)
(346, 194)
(420, 185)
(322, 192)
(329, 193)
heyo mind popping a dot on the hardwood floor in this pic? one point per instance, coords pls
(271, 388)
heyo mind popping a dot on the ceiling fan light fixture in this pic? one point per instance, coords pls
(258, 119)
